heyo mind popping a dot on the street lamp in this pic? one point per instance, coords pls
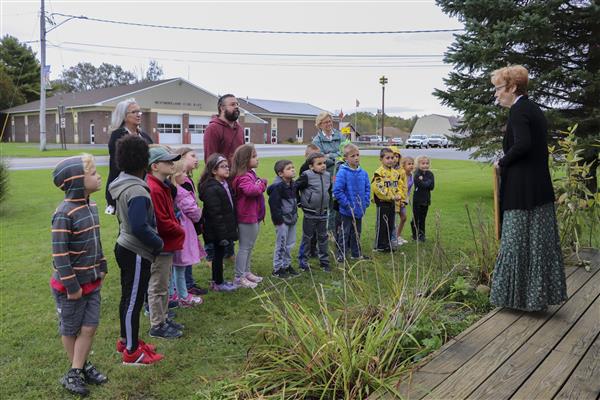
(383, 80)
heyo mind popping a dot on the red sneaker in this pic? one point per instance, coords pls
(141, 356)
(121, 346)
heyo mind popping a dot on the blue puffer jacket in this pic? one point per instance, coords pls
(352, 190)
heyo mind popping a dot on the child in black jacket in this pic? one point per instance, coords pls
(423, 184)
(218, 218)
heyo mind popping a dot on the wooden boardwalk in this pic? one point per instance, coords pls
(516, 355)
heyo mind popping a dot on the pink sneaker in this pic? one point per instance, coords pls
(253, 278)
(190, 301)
(245, 283)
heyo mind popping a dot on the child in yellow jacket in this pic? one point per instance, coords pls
(386, 195)
(403, 189)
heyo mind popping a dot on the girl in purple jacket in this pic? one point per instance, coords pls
(250, 208)
(192, 252)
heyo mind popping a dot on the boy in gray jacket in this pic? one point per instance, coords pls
(138, 244)
(313, 189)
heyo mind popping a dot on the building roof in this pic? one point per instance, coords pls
(87, 98)
(283, 107)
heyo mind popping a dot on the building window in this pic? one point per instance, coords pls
(169, 128)
(197, 129)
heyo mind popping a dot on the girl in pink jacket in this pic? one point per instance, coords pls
(189, 214)
(250, 208)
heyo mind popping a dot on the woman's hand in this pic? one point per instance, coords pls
(497, 166)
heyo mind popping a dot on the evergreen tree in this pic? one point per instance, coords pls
(558, 41)
(22, 67)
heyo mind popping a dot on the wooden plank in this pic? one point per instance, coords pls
(531, 358)
(473, 373)
(584, 383)
(426, 377)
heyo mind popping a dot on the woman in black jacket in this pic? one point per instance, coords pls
(127, 116)
(529, 272)
(219, 224)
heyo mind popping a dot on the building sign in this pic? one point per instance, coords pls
(178, 103)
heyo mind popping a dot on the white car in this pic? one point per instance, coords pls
(419, 141)
(438, 141)
(397, 141)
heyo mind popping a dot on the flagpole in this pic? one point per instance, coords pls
(355, 116)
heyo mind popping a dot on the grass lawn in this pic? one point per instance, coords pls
(214, 345)
(30, 150)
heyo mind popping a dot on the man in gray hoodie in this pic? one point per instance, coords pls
(138, 244)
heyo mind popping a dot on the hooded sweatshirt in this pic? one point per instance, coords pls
(221, 138)
(137, 223)
(77, 254)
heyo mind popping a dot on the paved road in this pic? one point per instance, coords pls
(264, 150)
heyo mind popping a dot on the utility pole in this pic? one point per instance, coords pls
(43, 78)
(383, 80)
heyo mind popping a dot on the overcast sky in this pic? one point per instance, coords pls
(323, 75)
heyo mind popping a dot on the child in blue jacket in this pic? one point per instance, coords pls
(352, 190)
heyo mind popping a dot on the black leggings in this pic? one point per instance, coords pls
(135, 274)
(217, 263)
(418, 222)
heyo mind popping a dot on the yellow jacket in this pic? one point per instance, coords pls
(384, 185)
(402, 188)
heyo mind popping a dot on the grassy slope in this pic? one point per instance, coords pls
(32, 358)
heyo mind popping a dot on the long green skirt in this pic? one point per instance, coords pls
(529, 274)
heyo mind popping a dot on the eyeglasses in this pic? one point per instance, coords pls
(138, 112)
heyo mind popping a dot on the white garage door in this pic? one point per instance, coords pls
(169, 129)
(197, 127)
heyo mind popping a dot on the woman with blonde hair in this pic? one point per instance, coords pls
(529, 273)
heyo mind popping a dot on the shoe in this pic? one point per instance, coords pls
(401, 240)
(74, 382)
(245, 283)
(326, 268)
(363, 257)
(305, 268)
(224, 287)
(109, 210)
(253, 278)
(172, 323)
(164, 331)
(146, 309)
(339, 259)
(121, 346)
(291, 272)
(384, 250)
(141, 356)
(197, 291)
(173, 304)
(190, 301)
(280, 273)
(92, 375)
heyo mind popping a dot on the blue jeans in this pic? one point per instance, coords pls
(189, 278)
(349, 236)
(179, 281)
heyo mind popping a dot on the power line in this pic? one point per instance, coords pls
(381, 56)
(223, 30)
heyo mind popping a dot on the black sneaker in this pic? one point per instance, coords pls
(326, 268)
(174, 324)
(339, 259)
(280, 273)
(92, 375)
(74, 382)
(291, 272)
(165, 331)
(173, 304)
(305, 268)
(363, 257)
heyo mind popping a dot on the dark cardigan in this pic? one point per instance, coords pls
(525, 176)
(113, 169)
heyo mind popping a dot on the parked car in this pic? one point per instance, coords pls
(438, 141)
(397, 141)
(419, 141)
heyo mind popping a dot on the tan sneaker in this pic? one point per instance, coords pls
(253, 278)
(245, 283)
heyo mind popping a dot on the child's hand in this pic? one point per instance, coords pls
(75, 296)
(102, 275)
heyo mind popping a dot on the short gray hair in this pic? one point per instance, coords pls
(120, 112)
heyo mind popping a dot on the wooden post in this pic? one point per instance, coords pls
(497, 211)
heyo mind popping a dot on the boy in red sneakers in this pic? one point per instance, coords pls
(79, 267)
(161, 165)
(137, 246)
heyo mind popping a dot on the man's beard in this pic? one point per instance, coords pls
(232, 116)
